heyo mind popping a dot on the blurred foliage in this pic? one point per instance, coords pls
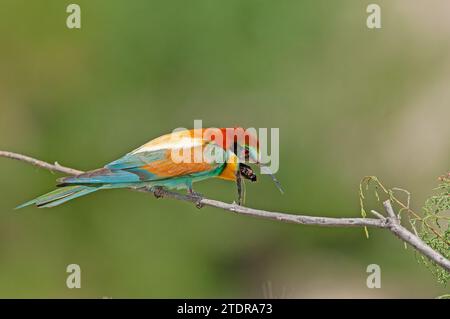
(436, 210)
(349, 102)
(432, 226)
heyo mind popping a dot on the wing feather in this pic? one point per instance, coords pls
(155, 160)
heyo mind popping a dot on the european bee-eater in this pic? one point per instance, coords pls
(156, 164)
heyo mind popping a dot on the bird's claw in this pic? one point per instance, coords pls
(197, 198)
(199, 204)
(238, 203)
(158, 191)
(195, 194)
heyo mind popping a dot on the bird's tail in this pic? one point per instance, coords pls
(60, 195)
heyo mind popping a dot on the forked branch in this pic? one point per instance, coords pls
(390, 222)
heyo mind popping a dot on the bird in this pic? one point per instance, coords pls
(204, 152)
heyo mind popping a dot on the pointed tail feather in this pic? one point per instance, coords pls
(59, 196)
(100, 176)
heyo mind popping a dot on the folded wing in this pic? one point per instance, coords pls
(187, 157)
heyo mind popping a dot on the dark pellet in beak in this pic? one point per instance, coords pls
(247, 172)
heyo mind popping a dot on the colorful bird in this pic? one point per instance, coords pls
(157, 164)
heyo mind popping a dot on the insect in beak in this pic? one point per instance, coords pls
(247, 172)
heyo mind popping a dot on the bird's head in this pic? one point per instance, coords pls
(245, 144)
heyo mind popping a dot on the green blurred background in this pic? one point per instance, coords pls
(349, 102)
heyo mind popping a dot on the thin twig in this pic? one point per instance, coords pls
(390, 223)
(404, 234)
(51, 167)
(367, 179)
(390, 211)
(375, 213)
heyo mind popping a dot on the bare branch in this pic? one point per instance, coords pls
(404, 234)
(288, 218)
(375, 213)
(392, 224)
(390, 211)
(51, 167)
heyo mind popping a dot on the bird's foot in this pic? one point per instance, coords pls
(197, 198)
(195, 194)
(158, 191)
